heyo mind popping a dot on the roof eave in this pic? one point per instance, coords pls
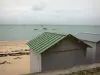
(81, 40)
(90, 41)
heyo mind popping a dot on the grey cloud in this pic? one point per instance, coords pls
(38, 7)
(40, 13)
(67, 18)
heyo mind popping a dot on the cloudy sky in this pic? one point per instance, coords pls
(78, 12)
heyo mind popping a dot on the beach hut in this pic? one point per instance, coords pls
(94, 41)
(52, 51)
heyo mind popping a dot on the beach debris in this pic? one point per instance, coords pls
(18, 58)
(26, 50)
(4, 62)
(3, 54)
(15, 53)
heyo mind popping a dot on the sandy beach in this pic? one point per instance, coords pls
(14, 65)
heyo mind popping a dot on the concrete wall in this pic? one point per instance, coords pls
(35, 62)
(98, 52)
(63, 55)
(91, 52)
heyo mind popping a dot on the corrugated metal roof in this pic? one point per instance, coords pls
(46, 40)
(89, 37)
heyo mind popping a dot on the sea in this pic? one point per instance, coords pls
(27, 32)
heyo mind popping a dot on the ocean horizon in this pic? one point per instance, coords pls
(15, 32)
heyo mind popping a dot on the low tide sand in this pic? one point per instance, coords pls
(16, 65)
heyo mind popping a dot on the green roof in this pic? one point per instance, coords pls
(45, 41)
